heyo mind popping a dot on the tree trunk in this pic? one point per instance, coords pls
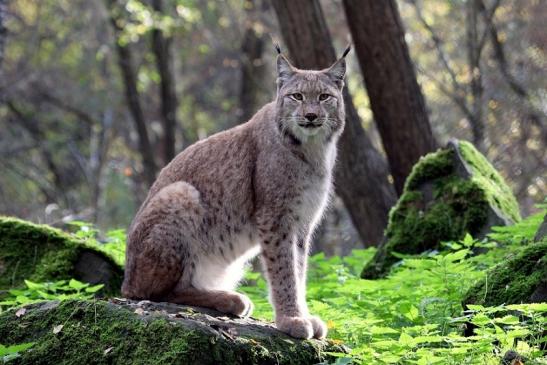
(473, 58)
(252, 65)
(3, 30)
(125, 62)
(100, 144)
(533, 114)
(161, 45)
(34, 129)
(395, 96)
(362, 174)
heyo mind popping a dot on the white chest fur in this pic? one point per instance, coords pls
(311, 204)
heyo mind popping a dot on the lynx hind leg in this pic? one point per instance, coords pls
(221, 300)
(211, 285)
(158, 253)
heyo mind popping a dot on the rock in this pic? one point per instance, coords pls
(121, 331)
(542, 230)
(41, 253)
(520, 278)
(449, 193)
(512, 358)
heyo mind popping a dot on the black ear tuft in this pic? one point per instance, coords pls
(348, 48)
(275, 42)
(284, 69)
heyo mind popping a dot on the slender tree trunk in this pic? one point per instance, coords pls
(161, 45)
(252, 66)
(533, 114)
(473, 58)
(361, 178)
(395, 96)
(100, 143)
(3, 30)
(125, 63)
(34, 129)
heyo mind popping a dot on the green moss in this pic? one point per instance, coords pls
(431, 166)
(99, 332)
(497, 191)
(55, 264)
(440, 203)
(514, 280)
(42, 253)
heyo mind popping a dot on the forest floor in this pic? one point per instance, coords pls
(413, 316)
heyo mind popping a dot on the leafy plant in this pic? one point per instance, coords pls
(59, 290)
(113, 242)
(8, 353)
(415, 316)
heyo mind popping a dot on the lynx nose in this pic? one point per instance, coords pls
(311, 116)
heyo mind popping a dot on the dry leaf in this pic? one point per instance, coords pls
(57, 329)
(21, 312)
(139, 311)
(108, 350)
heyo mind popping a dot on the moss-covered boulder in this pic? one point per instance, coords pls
(449, 193)
(542, 230)
(42, 253)
(129, 332)
(520, 278)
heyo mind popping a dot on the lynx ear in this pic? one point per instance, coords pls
(284, 69)
(338, 69)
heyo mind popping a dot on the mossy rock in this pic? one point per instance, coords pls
(129, 332)
(521, 278)
(449, 193)
(42, 253)
(542, 230)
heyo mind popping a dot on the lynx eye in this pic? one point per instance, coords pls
(323, 97)
(297, 96)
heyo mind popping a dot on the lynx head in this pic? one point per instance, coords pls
(310, 105)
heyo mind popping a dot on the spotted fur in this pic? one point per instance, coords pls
(259, 188)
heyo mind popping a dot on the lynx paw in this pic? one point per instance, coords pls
(319, 327)
(298, 327)
(236, 304)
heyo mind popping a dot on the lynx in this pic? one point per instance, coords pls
(259, 188)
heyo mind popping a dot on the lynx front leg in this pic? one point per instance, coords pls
(280, 257)
(302, 251)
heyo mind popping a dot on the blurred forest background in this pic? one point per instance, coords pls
(97, 96)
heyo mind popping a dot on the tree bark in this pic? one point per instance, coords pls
(397, 102)
(161, 45)
(474, 49)
(252, 65)
(361, 176)
(125, 63)
(3, 30)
